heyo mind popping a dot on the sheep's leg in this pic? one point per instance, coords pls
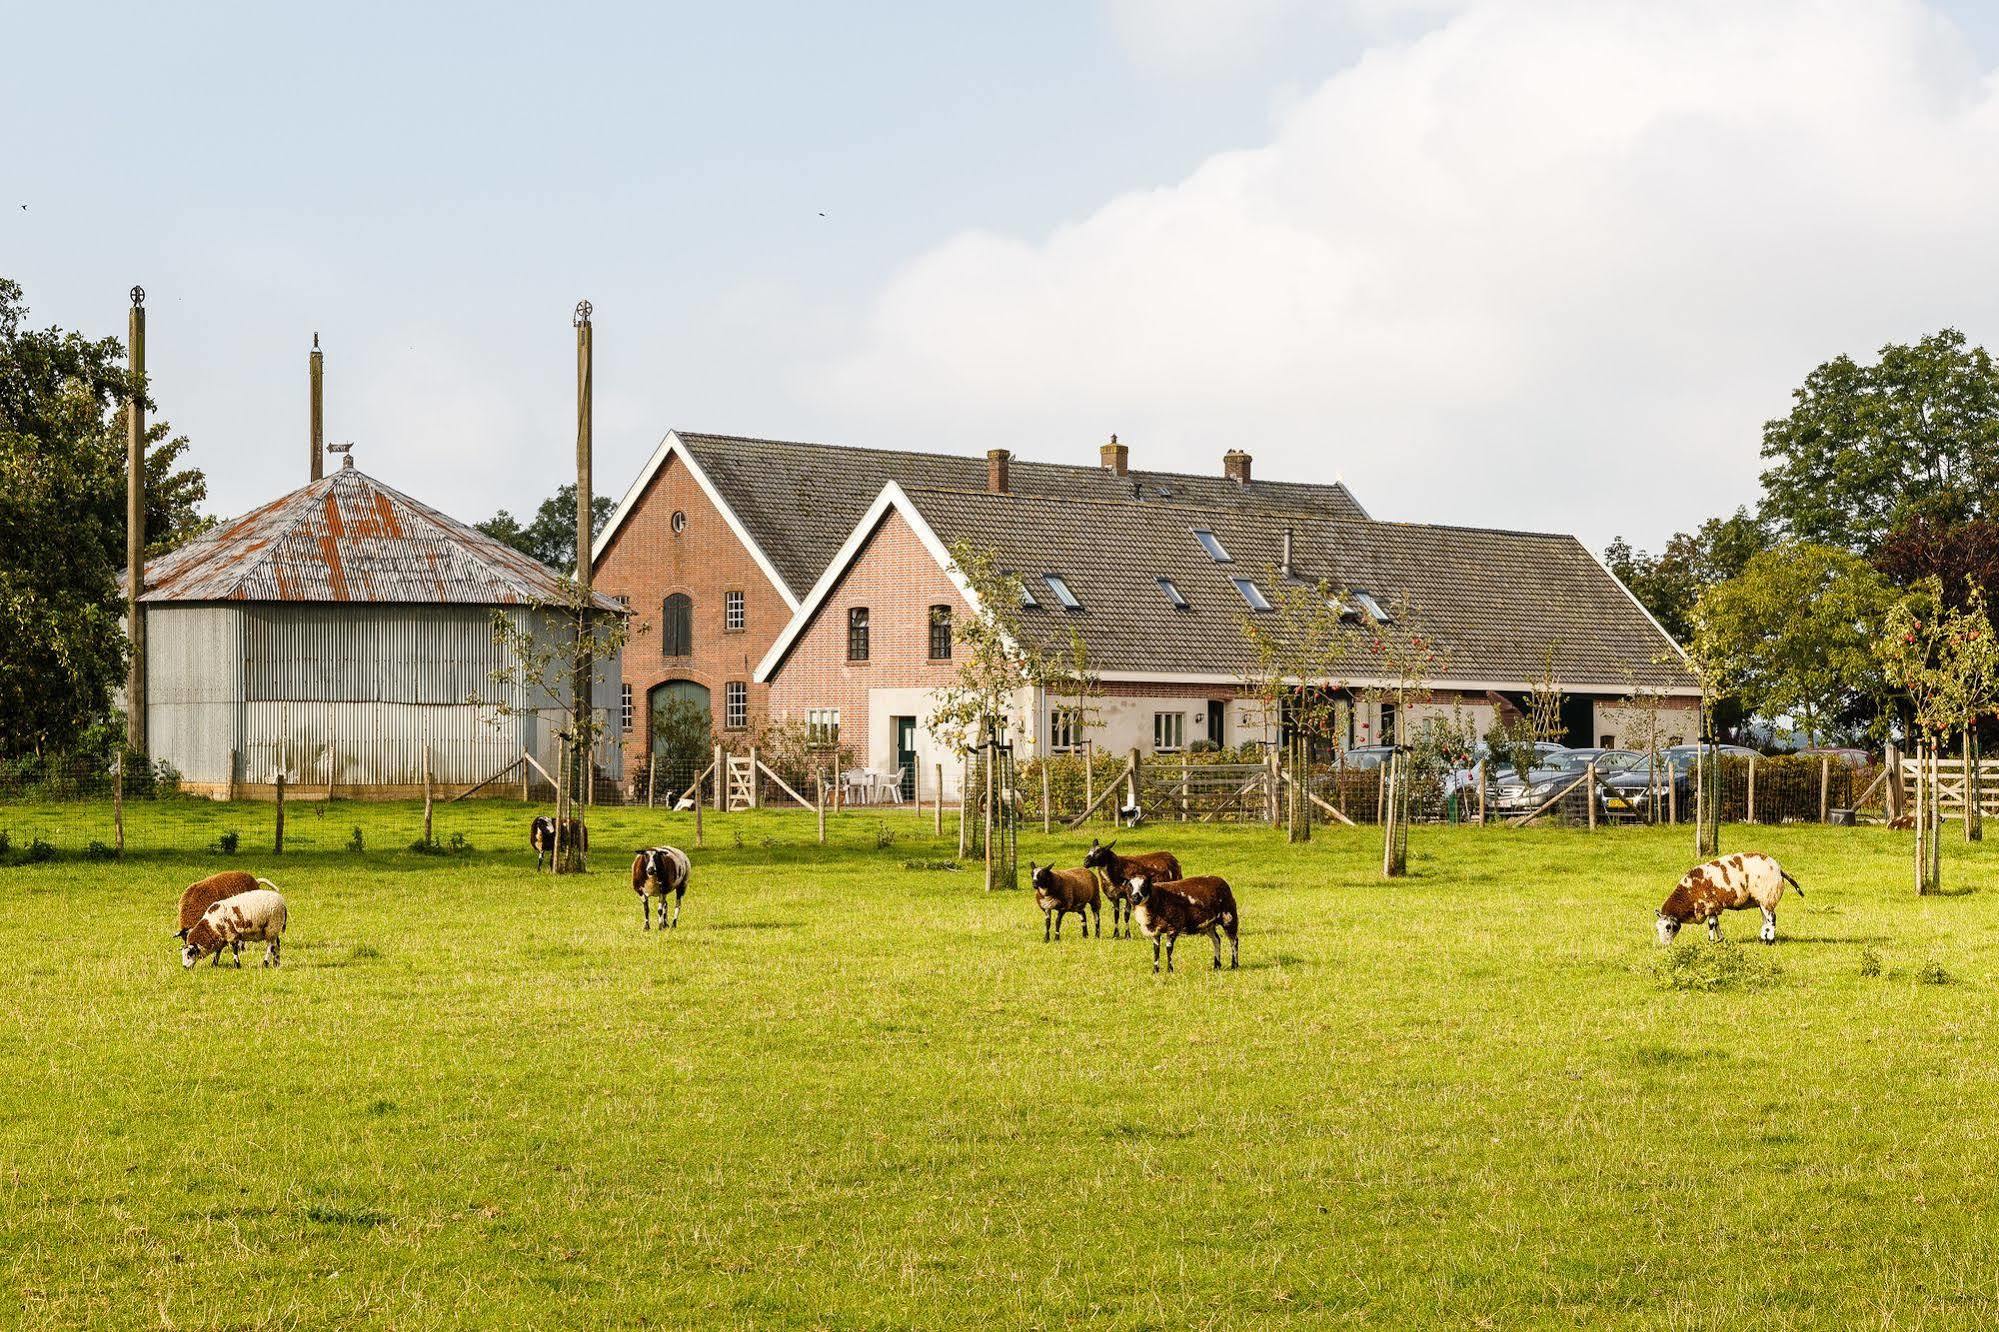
(1216, 935)
(236, 950)
(1155, 955)
(1769, 926)
(215, 958)
(1714, 929)
(1046, 917)
(676, 906)
(271, 954)
(1235, 954)
(1171, 939)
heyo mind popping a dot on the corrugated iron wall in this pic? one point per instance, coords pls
(350, 691)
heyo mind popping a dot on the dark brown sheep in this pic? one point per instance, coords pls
(541, 836)
(1058, 892)
(1204, 905)
(197, 897)
(1159, 866)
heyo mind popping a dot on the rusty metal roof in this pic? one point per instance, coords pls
(348, 537)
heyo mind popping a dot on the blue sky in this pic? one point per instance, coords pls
(1357, 239)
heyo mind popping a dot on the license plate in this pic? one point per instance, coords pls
(1617, 802)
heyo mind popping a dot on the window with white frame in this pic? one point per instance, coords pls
(822, 728)
(1064, 732)
(1060, 587)
(625, 708)
(1213, 546)
(1252, 594)
(733, 618)
(1169, 732)
(736, 705)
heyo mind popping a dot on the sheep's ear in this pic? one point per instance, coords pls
(1094, 844)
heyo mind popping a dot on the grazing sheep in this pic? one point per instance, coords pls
(197, 897)
(1902, 822)
(660, 871)
(1204, 905)
(244, 918)
(1731, 883)
(541, 836)
(1058, 892)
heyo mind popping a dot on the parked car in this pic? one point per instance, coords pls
(1368, 756)
(1858, 758)
(1629, 794)
(1498, 769)
(1515, 795)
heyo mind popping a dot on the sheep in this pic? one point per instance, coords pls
(1119, 870)
(1731, 883)
(1204, 905)
(197, 897)
(1058, 892)
(246, 917)
(541, 836)
(657, 872)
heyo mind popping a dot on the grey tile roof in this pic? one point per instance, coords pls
(801, 500)
(1499, 603)
(348, 537)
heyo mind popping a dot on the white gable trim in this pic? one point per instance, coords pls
(892, 497)
(1650, 618)
(668, 447)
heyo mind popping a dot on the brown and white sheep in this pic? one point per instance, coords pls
(1204, 905)
(259, 914)
(202, 894)
(661, 872)
(541, 836)
(1058, 892)
(1160, 866)
(1731, 883)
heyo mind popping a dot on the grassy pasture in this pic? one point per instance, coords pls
(846, 1093)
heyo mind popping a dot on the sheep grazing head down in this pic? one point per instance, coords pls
(202, 939)
(1668, 929)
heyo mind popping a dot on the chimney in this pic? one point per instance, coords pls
(1235, 466)
(1284, 564)
(135, 527)
(1117, 458)
(996, 471)
(315, 369)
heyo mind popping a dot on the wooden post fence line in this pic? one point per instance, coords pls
(118, 802)
(477, 786)
(782, 785)
(937, 798)
(1109, 791)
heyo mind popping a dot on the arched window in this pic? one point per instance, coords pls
(676, 626)
(940, 633)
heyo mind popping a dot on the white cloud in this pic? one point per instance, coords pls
(1197, 36)
(1550, 264)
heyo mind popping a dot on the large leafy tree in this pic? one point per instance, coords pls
(1867, 448)
(62, 526)
(1795, 635)
(551, 536)
(1959, 556)
(1670, 583)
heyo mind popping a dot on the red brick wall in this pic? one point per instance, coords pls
(898, 581)
(647, 560)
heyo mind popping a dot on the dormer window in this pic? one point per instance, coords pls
(1212, 546)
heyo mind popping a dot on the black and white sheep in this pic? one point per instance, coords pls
(660, 872)
(1058, 892)
(1203, 905)
(259, 914)
(1731, 883)
(541, 836)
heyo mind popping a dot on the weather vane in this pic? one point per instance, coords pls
(582, 313)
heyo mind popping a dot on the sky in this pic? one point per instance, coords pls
(1540, 264)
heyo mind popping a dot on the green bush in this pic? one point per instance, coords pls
(99, 851)
(1870, 962)
(38, 851)
(228, 842)
(1933, 973)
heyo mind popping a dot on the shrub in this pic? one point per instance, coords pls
(98, 851)
(884, 836)
(459, 846)
(227, 843)
(1933, 973)
(6, 845)
(355, 842)
(1870, 962)
(930, 864)
(1704, 968)
(38, 851)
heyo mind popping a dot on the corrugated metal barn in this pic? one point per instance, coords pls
(339, 630)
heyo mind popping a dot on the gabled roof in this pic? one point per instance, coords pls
(797, 502)
(1502, 606)
(347, 537)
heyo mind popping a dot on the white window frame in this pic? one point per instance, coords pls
(1171, 591)
(822, 728)
(624, 709)
(1374, 608)
(1252, 594)
(1059, 587)
(734, 616)
(1212, 544)
(736, 705)
(1063, 730)
(1169, 732)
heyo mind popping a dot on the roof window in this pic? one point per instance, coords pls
(1061, 590)
(1252, 594)
(1212, 546)
(1172, 591)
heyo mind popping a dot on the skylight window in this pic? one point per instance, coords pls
(1372, 607)
(1172, 591)
(1212, 546)
(1027, 601)
(1252, 594)
(1061, 591)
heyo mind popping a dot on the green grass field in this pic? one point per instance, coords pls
(846, 1093)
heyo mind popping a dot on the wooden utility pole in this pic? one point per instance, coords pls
(316, 373)
(586, 716)
(278, 838)
(1751, 817)
(820, 804)
(1047, 811)
(1825, 787)
(135, 526)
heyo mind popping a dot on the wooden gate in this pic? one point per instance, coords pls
(1950, 786)
(742, 781)
(1204, 792)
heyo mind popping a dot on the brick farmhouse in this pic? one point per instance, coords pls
(809, 583)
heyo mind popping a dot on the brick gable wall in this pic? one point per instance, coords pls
(647, 561)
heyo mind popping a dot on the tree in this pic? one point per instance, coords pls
(62, 527)
(1670, 584)
(1295, 650)
(1868, 448)
(1794, 635)
(1957, 555)
(1075, 687)
(551, 537)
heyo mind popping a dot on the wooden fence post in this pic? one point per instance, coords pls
(1089, 776)
(1047, 798)
(652, 777)
(820, 777)
(964, 797)
(426, 794)
(1751, 817)
(1825, 787)
(332, 769)
(527, 772)
(937, 803)
(1672, 795)
(756, 787)
(698, 804)
(232, 776)
(118, 801)
(721, 778)
(1133, 788)
(1590, 770)
(1481, 793)
(991, 795)
(278, 840)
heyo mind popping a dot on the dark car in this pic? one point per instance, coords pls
(1511, 795)
(1629, 794)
